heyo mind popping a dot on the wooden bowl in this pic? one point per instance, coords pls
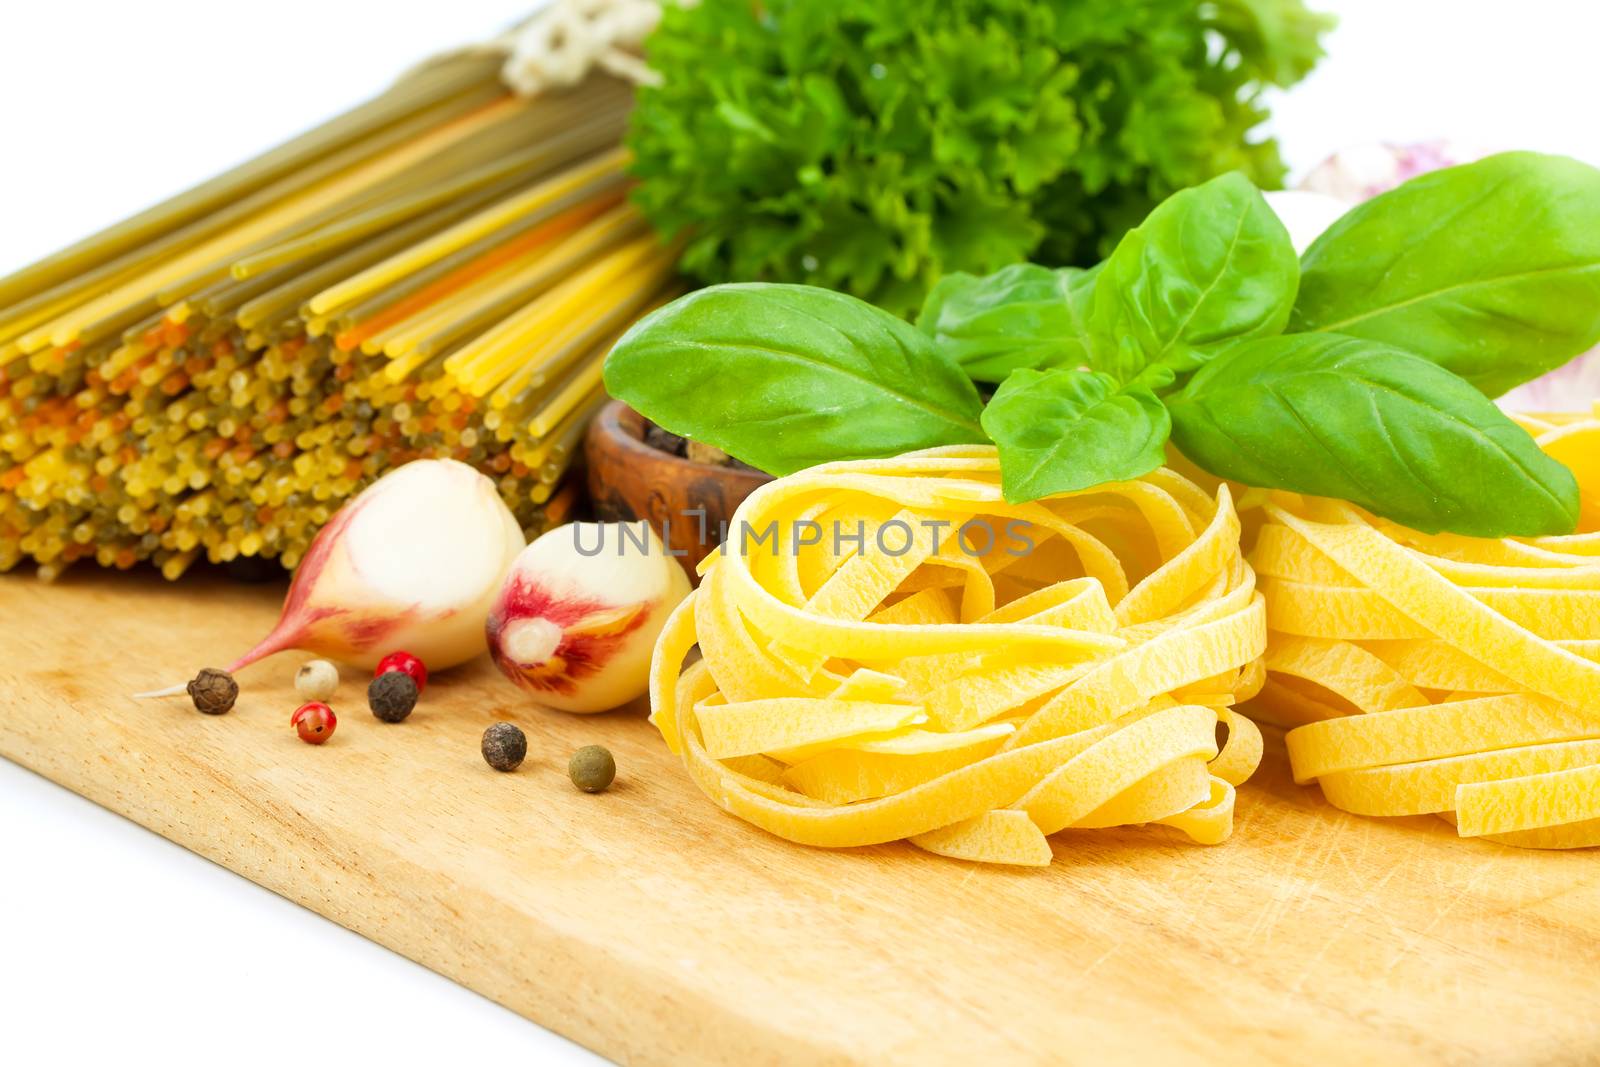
(629, 480)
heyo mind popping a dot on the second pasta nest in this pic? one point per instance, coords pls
(1439, 674)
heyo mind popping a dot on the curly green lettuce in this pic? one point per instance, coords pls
(873, 145)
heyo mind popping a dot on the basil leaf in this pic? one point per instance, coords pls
(787, 376)
(1063, 430)
(1491, 269)
(1022, 316)
(1352, 418)
(1210, 264)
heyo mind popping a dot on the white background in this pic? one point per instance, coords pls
(117, 944)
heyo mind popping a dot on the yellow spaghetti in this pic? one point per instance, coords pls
(435, 273)
(1442, 674)
(1061, 664)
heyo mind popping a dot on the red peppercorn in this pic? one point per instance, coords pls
(314, 722)
(404, 661)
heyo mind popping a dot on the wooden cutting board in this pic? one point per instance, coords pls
(652, 927)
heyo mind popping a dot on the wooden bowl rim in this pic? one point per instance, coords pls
(623, 428)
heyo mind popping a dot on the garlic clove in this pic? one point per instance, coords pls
(579, 613)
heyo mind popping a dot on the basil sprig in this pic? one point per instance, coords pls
(1360, 420)
(1491, 269)
(1401, 318)
(1066, 429)
(1023, 316)
(1210, 265)
(787, 376)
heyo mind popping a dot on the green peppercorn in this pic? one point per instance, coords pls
(392, 696)
(213, 691)
(592, 768)
(504, 746)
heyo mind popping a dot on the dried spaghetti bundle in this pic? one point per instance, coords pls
(1062, 663)
(1442, 674)
(435, 273)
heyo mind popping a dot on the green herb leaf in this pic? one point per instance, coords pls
(863, 145)
(1063, 430)
(1211, 264)
(1282, 32)
(1356, 419)
(1491, 269)
(787, 376)
(1022, 316)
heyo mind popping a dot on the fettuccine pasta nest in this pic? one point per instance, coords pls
(1058, 664)
(1442, 674)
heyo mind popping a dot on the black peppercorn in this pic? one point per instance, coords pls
(392, 696)
(504, 746)
(213, 691)
(592, 768)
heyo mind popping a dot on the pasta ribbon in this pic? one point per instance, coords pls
(890, 651)
(1441, 674)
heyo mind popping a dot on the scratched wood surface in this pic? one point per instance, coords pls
(651, 927)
